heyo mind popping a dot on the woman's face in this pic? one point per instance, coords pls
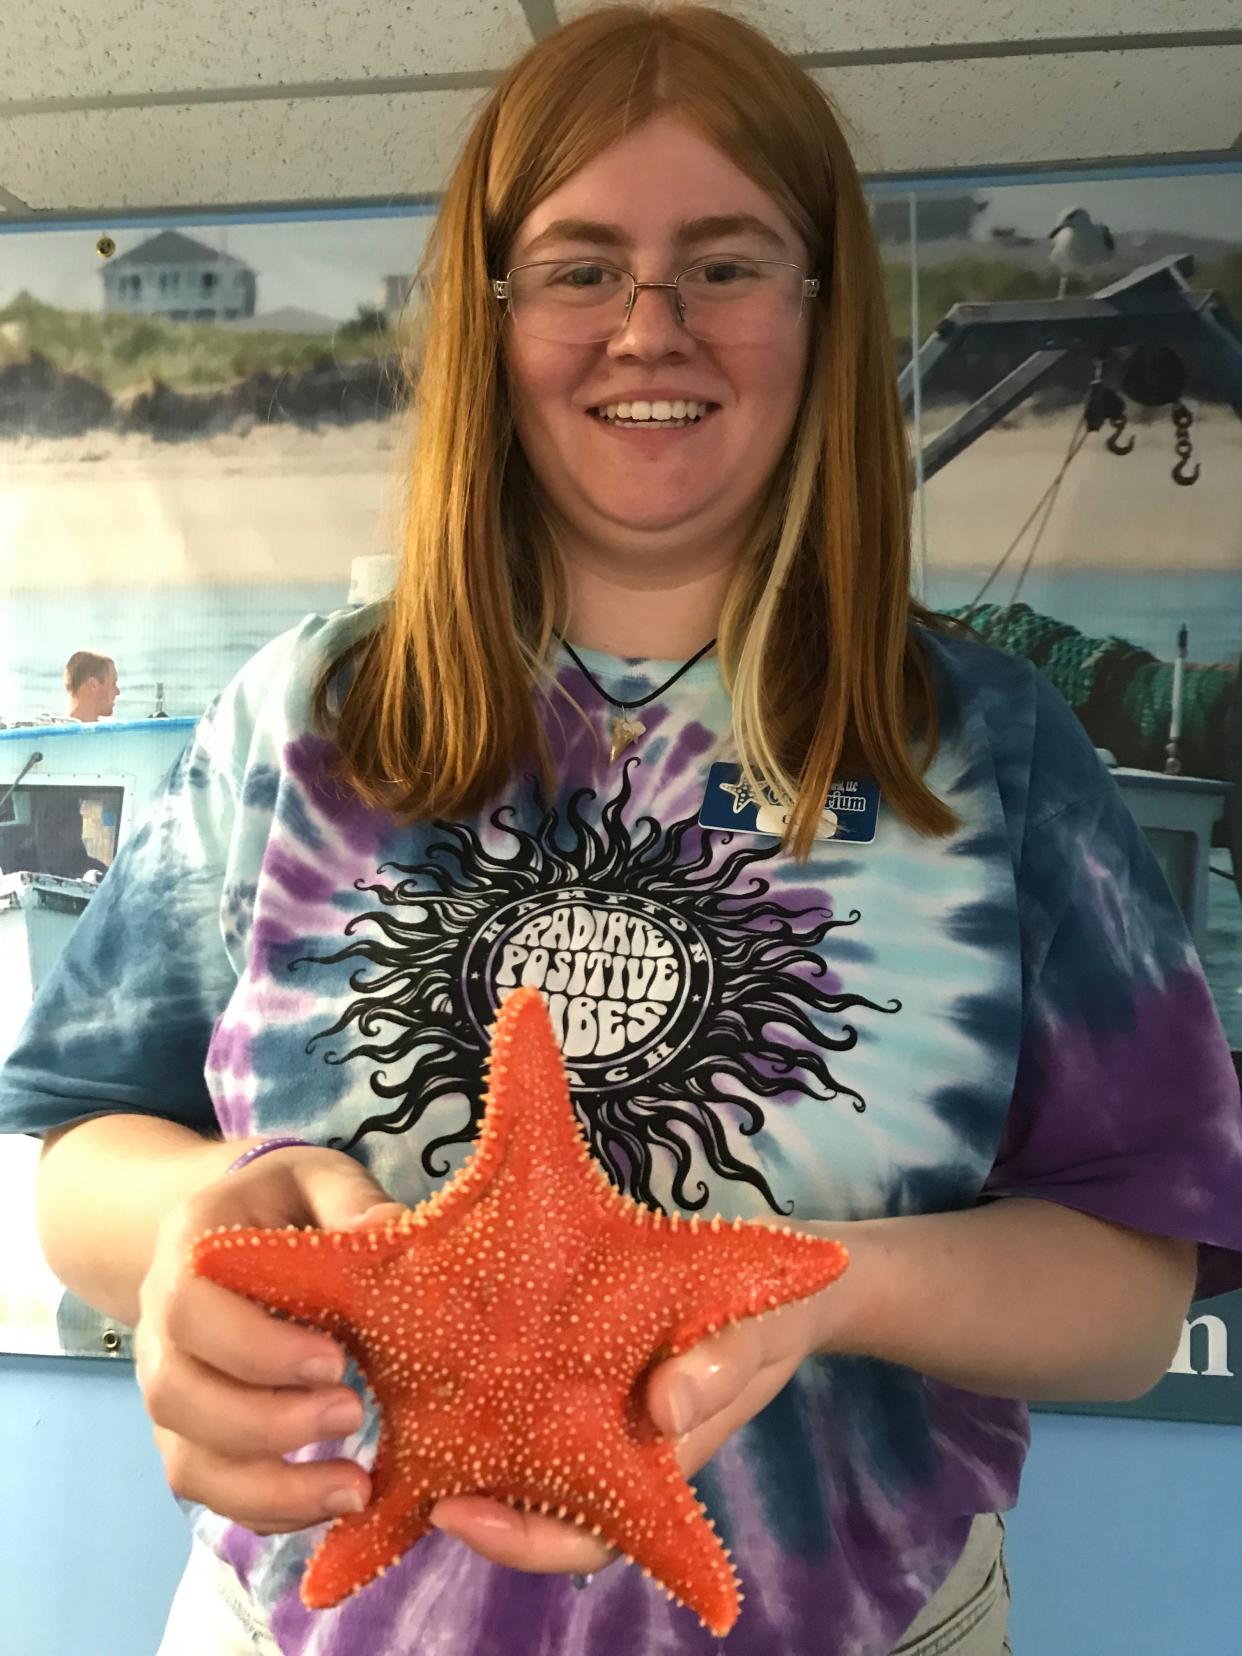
(656, 491)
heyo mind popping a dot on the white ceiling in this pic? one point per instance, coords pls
(115, 105)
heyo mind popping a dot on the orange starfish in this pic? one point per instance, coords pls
(506, 1327)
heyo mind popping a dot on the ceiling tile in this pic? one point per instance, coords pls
(1010, 111)
(226, 154)
(871, 25)
(111, 47)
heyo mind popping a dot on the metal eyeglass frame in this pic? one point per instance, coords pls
(501, 287)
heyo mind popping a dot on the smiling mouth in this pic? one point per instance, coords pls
(640, 415)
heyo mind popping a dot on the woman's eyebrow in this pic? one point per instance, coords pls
(712, 227)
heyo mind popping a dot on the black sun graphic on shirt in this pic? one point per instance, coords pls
(682, 996)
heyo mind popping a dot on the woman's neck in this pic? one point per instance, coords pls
(667, 621)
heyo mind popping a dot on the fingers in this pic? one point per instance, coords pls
(232, 1389)
(268, 1496)
(380, 1214)
(242, 1339)
(225, 1385)
(222, 1438)
(686, 1392)
(243, 1422)
(531, 1541)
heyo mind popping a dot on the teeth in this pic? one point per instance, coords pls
(662, 409)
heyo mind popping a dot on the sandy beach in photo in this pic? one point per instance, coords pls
(1113, 512)
(282, 503)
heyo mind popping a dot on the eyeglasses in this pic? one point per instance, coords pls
(720, 302)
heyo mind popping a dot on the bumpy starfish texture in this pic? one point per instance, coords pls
(506, 1327)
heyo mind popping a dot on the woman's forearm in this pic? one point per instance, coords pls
(103, 1187)
(1018, 1298)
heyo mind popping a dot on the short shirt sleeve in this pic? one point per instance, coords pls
(1126, 1102)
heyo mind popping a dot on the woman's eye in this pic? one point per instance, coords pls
(724, 272)
(583, 275)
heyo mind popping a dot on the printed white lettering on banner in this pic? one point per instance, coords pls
(1216, 1342)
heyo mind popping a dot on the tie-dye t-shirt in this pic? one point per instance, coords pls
(892, 1028)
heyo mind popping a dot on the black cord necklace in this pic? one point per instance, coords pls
(626, 730)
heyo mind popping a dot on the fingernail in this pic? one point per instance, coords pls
(342, 1501)
(321, 1371)
(482, 1521)
(355, 1220)
(683, 1403)
(341, 1418)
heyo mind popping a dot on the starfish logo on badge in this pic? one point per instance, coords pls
(743, 794)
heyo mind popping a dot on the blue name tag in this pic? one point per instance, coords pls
(850, 812)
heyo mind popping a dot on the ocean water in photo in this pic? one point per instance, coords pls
(190, 639)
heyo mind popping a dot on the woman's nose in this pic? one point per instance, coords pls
(653, 327)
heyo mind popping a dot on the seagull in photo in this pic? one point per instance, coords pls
(1079, 244)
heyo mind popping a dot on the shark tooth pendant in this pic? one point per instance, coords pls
(624, 731)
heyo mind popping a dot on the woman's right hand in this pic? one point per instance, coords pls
(231, 1389)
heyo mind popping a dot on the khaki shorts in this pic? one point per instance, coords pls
(969, 1616)
(212, 1615)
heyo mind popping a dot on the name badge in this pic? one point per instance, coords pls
(731, 805)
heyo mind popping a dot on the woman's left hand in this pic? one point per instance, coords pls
(727, 1379)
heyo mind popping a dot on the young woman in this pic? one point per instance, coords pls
(838, 917)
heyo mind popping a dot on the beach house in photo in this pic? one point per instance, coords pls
(176, 277)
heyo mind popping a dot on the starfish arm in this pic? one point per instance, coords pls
(618, 1478)
(529, 1123)
(362, 1547)
(658, 1522)
(422, 1455)
(693, 1278)
(315, 1276)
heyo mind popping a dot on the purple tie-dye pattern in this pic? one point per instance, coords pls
(1054, 1038)
(233, 1115)
(1088, 1125)
(358, 829)
(228, 1057)
(582, 750)
(229, 1075)
(241, 1549)
(691, 745)
(301, 882)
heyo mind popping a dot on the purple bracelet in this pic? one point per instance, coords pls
(255, 1150)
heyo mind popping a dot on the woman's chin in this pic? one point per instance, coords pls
(643, 515)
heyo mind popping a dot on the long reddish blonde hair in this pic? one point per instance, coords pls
(815, 642)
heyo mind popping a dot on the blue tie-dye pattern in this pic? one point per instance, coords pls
(883, 1407)
(260, 788)
(794, 1506)
(1031, 991)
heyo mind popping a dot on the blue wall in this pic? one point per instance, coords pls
(1126, 1542)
